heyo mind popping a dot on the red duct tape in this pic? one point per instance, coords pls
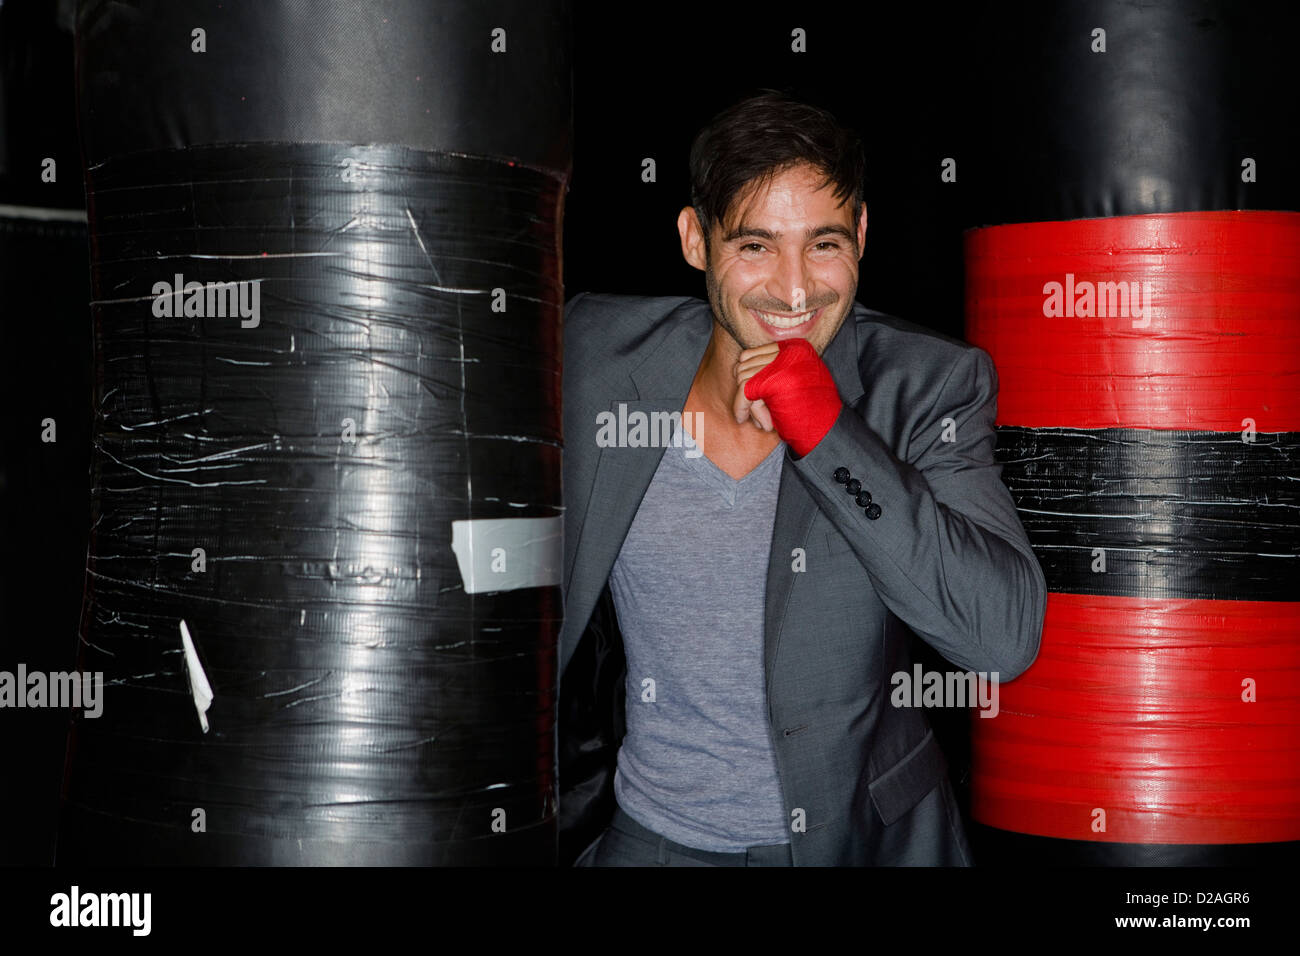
(1141, 709)
(1179, 320)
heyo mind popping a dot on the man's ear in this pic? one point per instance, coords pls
(862, 232)
(688, 227)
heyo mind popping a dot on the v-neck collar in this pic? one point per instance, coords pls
(708, 471)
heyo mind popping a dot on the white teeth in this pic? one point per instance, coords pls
(784, 321)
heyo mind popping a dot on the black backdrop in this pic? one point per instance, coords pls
(645, 84)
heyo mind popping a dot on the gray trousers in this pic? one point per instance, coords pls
(627, 843)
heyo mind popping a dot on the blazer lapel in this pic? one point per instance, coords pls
(795, 507)
(660, 383)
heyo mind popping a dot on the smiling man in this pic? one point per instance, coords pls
(733, 618)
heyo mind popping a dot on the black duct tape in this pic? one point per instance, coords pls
(370, 354)
(1178, 514)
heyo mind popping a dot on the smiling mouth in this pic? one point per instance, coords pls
(780, 321)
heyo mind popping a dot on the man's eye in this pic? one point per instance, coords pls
(828, 245)
(752, 245)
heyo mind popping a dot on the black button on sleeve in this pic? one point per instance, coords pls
(873, 511)
(853, 486)
(841, 475)
(863, 499)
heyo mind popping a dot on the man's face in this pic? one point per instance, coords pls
(784, 265)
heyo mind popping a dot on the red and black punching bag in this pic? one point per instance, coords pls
(1141, 301)
(323, 580)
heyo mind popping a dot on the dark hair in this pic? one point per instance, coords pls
(763, 135)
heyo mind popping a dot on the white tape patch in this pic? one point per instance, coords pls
(504, 554)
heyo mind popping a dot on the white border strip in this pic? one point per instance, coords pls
(40, 212)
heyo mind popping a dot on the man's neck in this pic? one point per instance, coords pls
(735, 448)
(714, 386)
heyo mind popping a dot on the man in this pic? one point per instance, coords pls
(737, 599)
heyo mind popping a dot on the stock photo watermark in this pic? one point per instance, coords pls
(242, 299)
(640, 429)
(946, 689)
(58, 689)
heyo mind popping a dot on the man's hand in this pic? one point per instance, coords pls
(753, 361)
(785, 385)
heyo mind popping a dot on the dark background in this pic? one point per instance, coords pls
(645, 84)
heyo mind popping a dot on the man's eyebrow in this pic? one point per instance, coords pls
(744, 230)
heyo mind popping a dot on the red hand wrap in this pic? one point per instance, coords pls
(798, 390)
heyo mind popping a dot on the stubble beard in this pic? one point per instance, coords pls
(720, 314)
(723, 318)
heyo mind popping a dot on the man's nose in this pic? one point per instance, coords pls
(789, 283)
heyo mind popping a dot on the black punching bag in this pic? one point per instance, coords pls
(323, 576)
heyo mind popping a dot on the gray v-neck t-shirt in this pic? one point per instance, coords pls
(689, 586)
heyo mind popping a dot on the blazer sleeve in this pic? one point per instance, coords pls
(947, 554)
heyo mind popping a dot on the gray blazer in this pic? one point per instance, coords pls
(947, 557)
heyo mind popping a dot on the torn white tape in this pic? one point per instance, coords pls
(199, 685)
(504, 554)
